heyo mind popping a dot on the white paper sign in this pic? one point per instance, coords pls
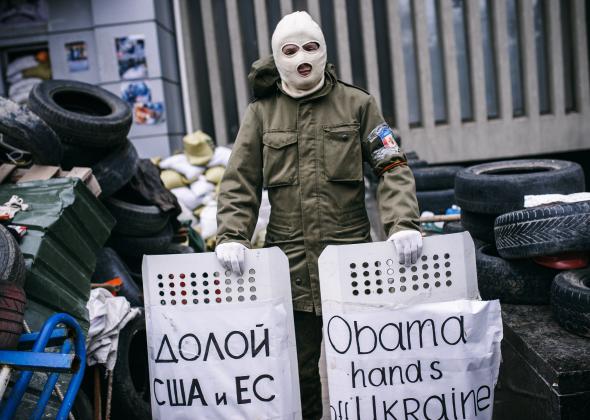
(221, 346)
(389, 356)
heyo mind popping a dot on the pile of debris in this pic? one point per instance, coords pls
(193, 176)
(531, 222)
(76, 176)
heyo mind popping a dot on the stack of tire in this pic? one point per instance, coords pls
(434, 184)
(561, 230)
(92, 125)
(509, 237)
(12, 295)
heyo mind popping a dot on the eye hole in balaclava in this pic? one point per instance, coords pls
(299, 51)
(290, 49)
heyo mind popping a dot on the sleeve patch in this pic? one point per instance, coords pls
(386, 137)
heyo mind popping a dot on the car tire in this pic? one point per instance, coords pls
(435, 177)
(115, 170)
(417, 163)
(545, 230)
(570, 301)
(136, 219)
(453, 227)
(81, 156)
(12, 263)
(500, 187)
(131, 382)
(480, 226)
(109, 266)
(24, 130)
(12, 309)
(518, 282)
(82, 407)
(82, 114)
(133, 246)
(435, 201)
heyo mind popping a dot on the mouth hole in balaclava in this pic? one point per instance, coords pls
(304, 69)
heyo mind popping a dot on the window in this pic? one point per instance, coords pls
(436, 61)
(489, 58)
(463, 67)
(410, 64)
(514, 49)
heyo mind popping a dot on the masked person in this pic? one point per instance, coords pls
(305, 138)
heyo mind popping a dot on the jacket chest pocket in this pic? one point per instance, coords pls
(342, 153)
(280, 165)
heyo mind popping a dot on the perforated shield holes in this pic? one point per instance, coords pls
(371, 272)
(422, 270)
(190, 297)
(227, 290)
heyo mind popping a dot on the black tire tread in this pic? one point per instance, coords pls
(453, 227)
(128, 403)
(108, 266)
(72, 127)
(435, 177)
(570, 301)
(137, 246)
(516, 282)
(491, 188)
(12, 263)
(116, 169)
(543, 231)
(480, 226)
(136, 219)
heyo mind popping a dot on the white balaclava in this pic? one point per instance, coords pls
(299, 51)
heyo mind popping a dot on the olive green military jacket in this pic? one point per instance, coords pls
(309, 154)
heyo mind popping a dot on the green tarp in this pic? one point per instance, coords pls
(67, 225)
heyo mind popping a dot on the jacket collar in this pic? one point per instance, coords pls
(323, 91)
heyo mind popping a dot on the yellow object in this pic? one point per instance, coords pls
(258, 241)
(42, 71)
(198, 148)
(210, 243)
(215, 174)
(172, 179)
(198, 210)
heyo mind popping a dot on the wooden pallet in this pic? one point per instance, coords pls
(9, 173)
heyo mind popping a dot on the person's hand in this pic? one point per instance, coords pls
(231, 255)
(408, 244)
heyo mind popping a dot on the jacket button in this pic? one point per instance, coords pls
(298, 281)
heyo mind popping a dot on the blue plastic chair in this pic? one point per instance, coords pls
(38, 360)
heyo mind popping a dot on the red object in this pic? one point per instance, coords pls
(12, 307)
(115, 282)
(568, 261)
